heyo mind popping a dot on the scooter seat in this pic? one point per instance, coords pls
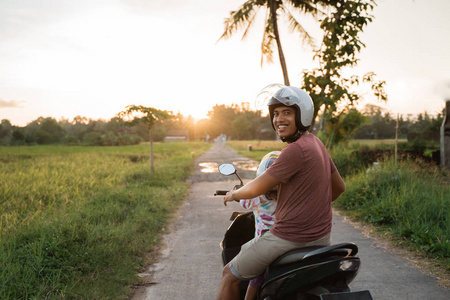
(296, 255)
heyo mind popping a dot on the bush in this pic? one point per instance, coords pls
(410, 200)
(92, 139)
(349, 161)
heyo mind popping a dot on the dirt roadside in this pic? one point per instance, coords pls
(189, 261)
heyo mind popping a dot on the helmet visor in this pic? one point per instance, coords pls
(266, 94)
(285, 96)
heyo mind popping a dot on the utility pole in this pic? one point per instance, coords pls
(396, 139)
(445, 138)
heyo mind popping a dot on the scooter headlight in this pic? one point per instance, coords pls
(349, 265)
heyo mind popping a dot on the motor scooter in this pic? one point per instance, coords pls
(310, 273)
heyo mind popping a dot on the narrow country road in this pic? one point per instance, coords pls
(190, 263)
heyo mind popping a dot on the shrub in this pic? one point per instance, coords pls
(409, 199)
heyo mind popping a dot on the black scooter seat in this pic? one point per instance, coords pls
(296, 255)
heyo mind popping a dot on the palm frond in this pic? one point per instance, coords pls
(295, 26)
(306, 7)
(267, 41)
(249, 24)
(241, 18)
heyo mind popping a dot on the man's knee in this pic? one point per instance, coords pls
(228, 275)
(229, 286)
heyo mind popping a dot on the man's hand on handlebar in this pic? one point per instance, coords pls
(228, 198)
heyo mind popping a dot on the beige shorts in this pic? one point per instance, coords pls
(261, 251)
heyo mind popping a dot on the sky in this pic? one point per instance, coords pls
(92, 58)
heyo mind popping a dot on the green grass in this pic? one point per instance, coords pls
(259, 148)
(409, 200)
(77, 222)
(374, 143)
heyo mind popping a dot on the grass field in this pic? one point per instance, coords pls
(77, 222)
(258, 148)
(372, 143)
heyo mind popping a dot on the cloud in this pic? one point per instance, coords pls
(11, 103)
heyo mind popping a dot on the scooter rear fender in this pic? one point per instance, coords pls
(303, 276)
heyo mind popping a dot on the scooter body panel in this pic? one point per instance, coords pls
(311, 271)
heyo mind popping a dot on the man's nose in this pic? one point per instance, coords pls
(279, 118)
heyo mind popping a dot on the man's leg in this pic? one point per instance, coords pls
(229, 286)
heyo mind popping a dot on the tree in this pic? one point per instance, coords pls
(343, 126)
(340, 45)
(44, 131)
(18, 137)
(138, 114)
(245, 16)
(54, 130)
(221, 117)
(6, 130)
(380, 125)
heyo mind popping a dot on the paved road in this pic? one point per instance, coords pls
(190, 264)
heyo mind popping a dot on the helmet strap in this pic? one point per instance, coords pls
(292, 138)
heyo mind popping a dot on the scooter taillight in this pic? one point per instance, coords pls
(349, 265)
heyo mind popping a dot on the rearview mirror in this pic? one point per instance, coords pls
(227, 169)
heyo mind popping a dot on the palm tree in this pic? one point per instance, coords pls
(245, 15)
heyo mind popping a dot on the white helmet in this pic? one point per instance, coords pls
(278, 94)
(267, 161)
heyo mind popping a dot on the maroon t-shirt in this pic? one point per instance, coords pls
(303, 211)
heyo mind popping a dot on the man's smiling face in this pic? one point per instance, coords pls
(284, 121)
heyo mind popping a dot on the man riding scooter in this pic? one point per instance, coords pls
(307, 181)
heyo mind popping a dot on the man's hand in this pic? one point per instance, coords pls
(228, 198)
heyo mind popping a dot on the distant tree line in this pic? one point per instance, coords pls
(79, 131)
(237, 122)
(381, 124)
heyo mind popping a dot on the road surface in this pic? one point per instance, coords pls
(190, 263)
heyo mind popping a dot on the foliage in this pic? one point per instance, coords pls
(138, 114)
(341, 129)
(408, 199)
(245, 16)
(142, 114)
(77, 222)
(89, 132)
(237, 122)
(381, 125)
(330, 90)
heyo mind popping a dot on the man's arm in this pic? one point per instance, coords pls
(258, 186)
(337, 185)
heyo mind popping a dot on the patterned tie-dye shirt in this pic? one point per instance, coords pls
(264, 212)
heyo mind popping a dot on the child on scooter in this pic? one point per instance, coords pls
(263, 208)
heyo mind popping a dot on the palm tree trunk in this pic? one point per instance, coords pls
(273, 17)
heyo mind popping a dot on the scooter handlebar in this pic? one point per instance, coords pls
(220, 193)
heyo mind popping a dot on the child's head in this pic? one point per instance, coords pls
(265, 163)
